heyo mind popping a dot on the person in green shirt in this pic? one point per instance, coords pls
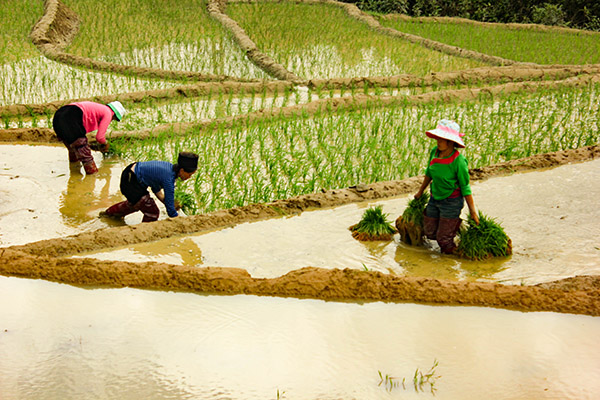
(448, 174)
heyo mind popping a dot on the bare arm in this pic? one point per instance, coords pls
(472, 210)
(426, 182)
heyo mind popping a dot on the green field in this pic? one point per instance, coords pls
(260, 160)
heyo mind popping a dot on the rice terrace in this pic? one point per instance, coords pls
(305, 115)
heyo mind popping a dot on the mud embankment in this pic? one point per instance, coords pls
(47, 259)
(531, 77)
(315, 283)
(260, 59)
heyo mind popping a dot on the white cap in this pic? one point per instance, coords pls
(118, 109)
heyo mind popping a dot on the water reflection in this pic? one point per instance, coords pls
(428, 262)
(184, 252)
(86, 195)
(141, 344)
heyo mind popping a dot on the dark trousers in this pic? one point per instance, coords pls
(131, 188)
(138, 198)
(68, 126)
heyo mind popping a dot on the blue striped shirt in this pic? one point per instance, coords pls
(159, 175)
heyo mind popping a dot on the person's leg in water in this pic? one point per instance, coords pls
(68, 126)
(148, 207)
(441, 222)
(449, 225)
(83, 152)
(138, 199)
(431, 220)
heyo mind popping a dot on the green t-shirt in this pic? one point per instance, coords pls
(448, 175)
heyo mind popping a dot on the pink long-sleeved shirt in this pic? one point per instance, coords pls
(96, 117)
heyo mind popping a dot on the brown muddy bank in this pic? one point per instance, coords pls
(47, 259)
(309, 282)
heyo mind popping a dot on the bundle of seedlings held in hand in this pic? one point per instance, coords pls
(484, 240)
(410, 223)
(374, 225)
(185, 202)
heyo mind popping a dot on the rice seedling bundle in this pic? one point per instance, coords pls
(373, 225)
(185, 201)
(484, 240)
(410, 223)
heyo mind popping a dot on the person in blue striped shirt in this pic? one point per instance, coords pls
(160, 177)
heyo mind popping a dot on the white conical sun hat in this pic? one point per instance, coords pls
(118, 109)
(448, 130)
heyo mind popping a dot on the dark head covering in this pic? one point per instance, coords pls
(188, 161)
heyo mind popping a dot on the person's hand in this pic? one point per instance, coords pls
(104, 147)
(418, 194)
(177, 205)
(475, 217)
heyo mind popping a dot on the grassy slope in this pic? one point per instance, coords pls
(541, 47)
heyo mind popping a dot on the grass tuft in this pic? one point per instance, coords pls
(374, 225)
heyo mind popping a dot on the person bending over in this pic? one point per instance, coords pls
(73, 121)
(160, 177)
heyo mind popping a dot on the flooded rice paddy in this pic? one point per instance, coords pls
(551, 217)
(61, 341)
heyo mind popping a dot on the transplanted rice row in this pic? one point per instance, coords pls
(184, 38)
(312, 41)
(261, 161)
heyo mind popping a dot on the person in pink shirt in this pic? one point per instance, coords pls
(73, 121)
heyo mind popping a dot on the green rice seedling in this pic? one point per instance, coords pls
(373, 225)
(410, 223)
(185, 201)
(310, 40)
(184, 38)
(421, 380)
(265, 160)
(484, 240)
(390, 382)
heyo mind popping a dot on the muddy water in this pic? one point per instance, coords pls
(552, 217)
(131, 344)
(44, 196)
